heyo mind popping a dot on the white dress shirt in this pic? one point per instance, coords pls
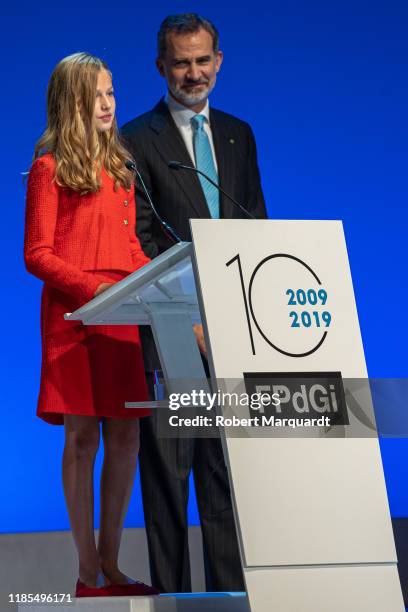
(182, 117)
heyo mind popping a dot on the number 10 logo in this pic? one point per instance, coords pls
(305, 297)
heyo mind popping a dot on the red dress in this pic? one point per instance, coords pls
(74, 243)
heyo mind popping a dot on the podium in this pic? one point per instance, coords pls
(277, 305)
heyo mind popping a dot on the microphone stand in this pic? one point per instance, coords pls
(167, 228)
(175, 165)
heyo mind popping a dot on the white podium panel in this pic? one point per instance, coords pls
(332, 589)
(277, 304)
(312, 512)
(320, 501)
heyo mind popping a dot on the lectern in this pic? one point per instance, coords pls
(277, 304)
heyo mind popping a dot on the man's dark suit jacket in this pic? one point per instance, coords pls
(154, 140)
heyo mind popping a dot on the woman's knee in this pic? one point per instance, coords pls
(121, 436)
(82, 438)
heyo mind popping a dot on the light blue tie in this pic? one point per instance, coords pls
(205, 162)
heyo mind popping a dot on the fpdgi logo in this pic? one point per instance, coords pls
(298, 395)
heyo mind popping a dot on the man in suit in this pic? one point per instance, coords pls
(183, 127)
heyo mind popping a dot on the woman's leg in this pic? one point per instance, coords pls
(121, 447)
(81, 444)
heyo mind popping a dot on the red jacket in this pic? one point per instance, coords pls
(68, 234)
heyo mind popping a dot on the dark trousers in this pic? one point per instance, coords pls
(165, 466)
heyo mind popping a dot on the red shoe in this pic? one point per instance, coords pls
(131, 589)
(82, 590)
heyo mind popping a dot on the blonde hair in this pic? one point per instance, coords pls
(80, 151)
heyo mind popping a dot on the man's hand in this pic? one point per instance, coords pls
(102, 287)
(199, 334)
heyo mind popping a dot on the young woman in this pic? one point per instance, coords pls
(80, 239)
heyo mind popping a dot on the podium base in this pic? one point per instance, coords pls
(173, 602)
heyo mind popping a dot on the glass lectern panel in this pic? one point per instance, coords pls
(175, 284)
(168, 280)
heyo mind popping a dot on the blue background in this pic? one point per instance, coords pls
(324, 85)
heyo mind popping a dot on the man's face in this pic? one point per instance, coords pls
(190, 67)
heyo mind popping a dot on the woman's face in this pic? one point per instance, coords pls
(105, 104)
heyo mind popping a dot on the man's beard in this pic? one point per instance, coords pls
(190, 98)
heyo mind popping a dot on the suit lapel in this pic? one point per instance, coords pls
(225, 153)
(170, 146)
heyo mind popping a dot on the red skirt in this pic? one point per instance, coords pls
(88, 370)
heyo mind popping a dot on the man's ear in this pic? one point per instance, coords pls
(160, 67)
(218, 60)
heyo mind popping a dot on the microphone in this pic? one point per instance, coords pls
(176, 165)
(166, 227)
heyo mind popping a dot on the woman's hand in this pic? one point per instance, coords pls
(102, 287)
(199, 335)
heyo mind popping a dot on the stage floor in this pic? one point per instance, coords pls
(180, 602)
